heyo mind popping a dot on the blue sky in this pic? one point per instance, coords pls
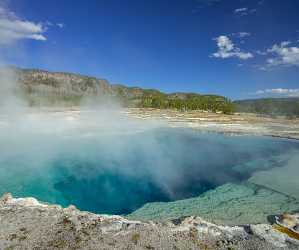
(236, 48)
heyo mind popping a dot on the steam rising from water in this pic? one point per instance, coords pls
(102, 161)
(10, 93)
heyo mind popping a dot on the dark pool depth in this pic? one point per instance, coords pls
(120, 173)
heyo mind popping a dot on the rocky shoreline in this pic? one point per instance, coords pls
(29, 224)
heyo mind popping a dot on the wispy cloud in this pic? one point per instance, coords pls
(200, 4)
(261, 53)
(241, 10)
(244, 11)
(227, 49)
(60, 25)
(203, 3)
(283, 54)
(244, 34)
(278, 92)
(241, 34)
(13, 28)
(261, 2)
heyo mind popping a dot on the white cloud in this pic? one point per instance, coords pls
(241, 34)
(279, 92)
(203, 3)
(261, 53)
(283, 54)
(261, 2)
(244, 11)
(200, 4)
(240, 10)
(244, 34)
(13, 29)
(227, 49)
(48, 23)
(60, 25)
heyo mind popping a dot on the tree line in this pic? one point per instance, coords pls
(186, 102)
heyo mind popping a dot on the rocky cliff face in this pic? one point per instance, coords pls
(61, 84)
(44, 87)
(45, 83)
(26, 223)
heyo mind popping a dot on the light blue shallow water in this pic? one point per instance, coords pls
(119, 173)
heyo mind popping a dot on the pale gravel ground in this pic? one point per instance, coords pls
(235, 124)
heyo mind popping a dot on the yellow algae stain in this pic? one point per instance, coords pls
(287, 231)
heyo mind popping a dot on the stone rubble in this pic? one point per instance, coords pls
(26, 223)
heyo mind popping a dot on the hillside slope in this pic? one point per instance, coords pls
(43, 87)
(270, 106)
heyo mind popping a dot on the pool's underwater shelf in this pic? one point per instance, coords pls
(229, 204)
(29, 224)
(268, 192)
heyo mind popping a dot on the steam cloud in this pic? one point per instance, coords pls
(100, 160)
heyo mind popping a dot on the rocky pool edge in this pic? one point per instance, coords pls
(26, 223)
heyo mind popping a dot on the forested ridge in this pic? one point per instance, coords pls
(270, 106)
(58, 88)
(66, 88)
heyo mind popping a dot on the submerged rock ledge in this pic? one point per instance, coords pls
(229, 204)
(25, 223)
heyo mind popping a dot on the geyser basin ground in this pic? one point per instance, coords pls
(105, 163)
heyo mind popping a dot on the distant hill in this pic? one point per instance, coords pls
(269, 106)
(43, 88)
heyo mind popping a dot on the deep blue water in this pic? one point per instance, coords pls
(117, 174)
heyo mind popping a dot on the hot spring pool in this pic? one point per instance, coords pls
(117, 173)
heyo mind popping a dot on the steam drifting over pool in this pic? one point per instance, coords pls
(104, 162)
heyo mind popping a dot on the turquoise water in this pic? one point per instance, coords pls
(119, 173)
